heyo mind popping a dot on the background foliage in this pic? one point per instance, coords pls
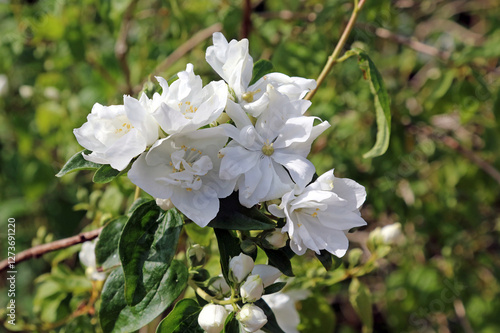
(439, 178)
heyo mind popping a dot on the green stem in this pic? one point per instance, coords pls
(334, 58)
(203, 294)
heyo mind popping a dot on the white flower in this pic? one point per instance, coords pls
(184, 169)
(239, 267)
(276, 239)
(118, 133)
(231, 61)
(87, 258)
(251, 317)
(234, 64)
(187, 106)
(269, 158)
(269, 274)
(283, 307)
(391, 234)
(318, 216)
(212, 318)
(219, 285)
(4, 84)
(252, 289)
(164, 204)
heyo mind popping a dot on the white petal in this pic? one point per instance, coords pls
(300, 168)
(200, 206)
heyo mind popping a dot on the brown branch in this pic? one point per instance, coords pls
(467, 153)
(246, 23)
(410, 42)
(121, 46)
(37, 251)
(190, 44)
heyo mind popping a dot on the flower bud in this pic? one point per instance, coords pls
(248, 246)
(391, 233)
(252, 289)
(354, 256)
(196, 255)
(164, 204)
(212, 318)
(220, 286)
(240, 267)
(251, 317)
(276, 239)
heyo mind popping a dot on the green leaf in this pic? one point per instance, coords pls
(77, 163)
(182, 319)
(274, 288)
(260, 68)
(137, 203)
(361, 301)
(198, 234)
(229, 247)
(116, 316)
(316, 315)
(233, 216)
(272, 325)
(382, 104)
(280, 260)
(105, 174)
(106, 249)
(147, 246)
(231, 325)
(328, 260)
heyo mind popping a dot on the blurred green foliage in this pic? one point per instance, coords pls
(60, 57)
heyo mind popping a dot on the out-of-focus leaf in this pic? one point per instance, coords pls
(77, 163)
(198, 234)
(361, 301)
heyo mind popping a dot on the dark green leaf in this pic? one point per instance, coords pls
(382, 104)
(316, 315)
(274, 288)
(137, 203)
(105, 174)
(233, 216)
(280, 260)
(261, 68)
(77, 163)
(182, 319)
(229, 247)
(231, 325)
(116, 316)
(328, 260)
(106, 249)
(272, 325)
(147, 246)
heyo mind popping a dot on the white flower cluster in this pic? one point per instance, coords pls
(251, 279)
(192, 145)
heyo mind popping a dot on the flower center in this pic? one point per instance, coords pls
(248, 96)
(124, 129)
(188, 164)
(187, 109)
(268, 149)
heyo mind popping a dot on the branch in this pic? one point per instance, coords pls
(246, 23)
(333, 59)
(190, 44)
(37, 251)
(410, 42)
(121, 46)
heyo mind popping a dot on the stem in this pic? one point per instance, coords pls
(203, 294)
(333, 59)
(40, 250)
(137, 193)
